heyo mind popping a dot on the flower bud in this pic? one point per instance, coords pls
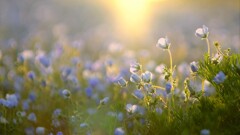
(135, 78)
(194, 66)
(163, 43)
(138, 94)
(66, 93)
(219, 78)
(147, 77)
(122, 82)
(168, 87)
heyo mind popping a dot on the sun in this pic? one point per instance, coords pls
(132, 17)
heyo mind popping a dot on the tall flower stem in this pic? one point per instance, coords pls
(203, 85)
(209, 53)
(171, 70)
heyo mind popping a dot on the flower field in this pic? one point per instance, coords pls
(123, 67)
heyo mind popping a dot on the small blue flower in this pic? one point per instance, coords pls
(104, 101)
(32, 96)
(119, 131)
(31, 75)
(93, 82)
(25, 105)
(32, 117)
(138, 94)
(205, 132)
(194, 66)
(135, 78)
(147, 76)
(59, 133)
(40, 130)
(168, 87)
(45, 61)
(89, 91)
(66, 94)
(219, 78)
(122, 82)
(56, 113)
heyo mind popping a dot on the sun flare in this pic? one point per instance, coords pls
(132, 15)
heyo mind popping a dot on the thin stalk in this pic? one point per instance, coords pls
(170, 58)
(209, 53)
(203, 85)
(158, 87)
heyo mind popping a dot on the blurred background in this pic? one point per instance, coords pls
(134, 24)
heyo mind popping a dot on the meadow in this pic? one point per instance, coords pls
(67, 69)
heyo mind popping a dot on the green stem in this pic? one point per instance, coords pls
(209, 53)
(158, 87)
(170, 58)
(203, 85)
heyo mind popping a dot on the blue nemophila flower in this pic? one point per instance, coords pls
(131, 108)
(138, 94)
(163, 43)
(25, 105)
(135, 67)
(104, 101)
(10, 102)
(135, 78)
(59, 133)
(29, 131)
(168, 87)
(57, 113)
(40, 130)
(66, 93)
(89, 91)
(83, 125)
(122, 82)
(56, 123)
(119, 131)
(194, 66)
(205, 132)
(45, 61)
(20, 58)
(32, 117)
(202, 32)
(147, 76)
(219, 78)
(32, 96)
(31, 75)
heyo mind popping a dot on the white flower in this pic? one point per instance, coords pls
(163, 43)
(202, 32)
(135, 67)
(131, 108)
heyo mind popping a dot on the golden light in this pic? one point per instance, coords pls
(132, 17)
